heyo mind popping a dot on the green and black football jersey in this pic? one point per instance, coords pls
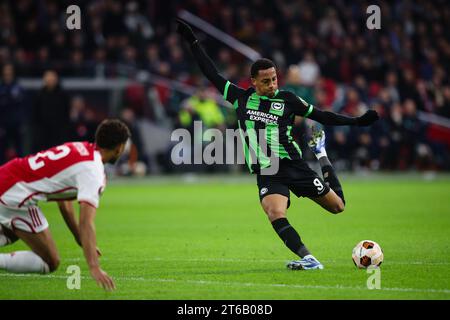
(265, 124)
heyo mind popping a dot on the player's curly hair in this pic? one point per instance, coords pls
(111, 133)
(261, 64)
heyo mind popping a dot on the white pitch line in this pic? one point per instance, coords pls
(339, 262)
(237, 284)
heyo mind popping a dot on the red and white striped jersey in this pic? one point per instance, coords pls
(70, 171)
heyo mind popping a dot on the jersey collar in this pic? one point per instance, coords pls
(266, 97)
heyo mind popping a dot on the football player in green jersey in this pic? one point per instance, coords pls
(264, 108)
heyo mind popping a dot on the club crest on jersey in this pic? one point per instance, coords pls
(277, 108)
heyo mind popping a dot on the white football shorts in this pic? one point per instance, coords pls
(28, 219)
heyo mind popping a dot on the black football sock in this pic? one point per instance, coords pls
(330, 178)
(290, 237)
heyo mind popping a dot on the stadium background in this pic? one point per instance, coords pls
(128, 62)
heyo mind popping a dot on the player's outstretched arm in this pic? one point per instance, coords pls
(88, 242)
(335, 119)
(304, 109)
(203, 60)
(205, 63)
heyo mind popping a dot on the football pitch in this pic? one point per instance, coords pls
(208, 238)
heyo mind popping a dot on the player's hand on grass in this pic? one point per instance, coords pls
(185, 31)
(103, 279)
(368, 118)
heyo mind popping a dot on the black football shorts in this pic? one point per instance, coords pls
(293, 175)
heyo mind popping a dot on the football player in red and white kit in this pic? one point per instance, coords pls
(72, 171)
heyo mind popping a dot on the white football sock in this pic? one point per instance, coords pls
(322, 153)
(23, 262)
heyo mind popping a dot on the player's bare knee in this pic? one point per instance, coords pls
(53, 266)
(53, 263)
(275, 213)
(338, 207)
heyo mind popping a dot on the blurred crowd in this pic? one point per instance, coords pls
(323, 50)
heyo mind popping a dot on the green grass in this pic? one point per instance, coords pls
(211, 240)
